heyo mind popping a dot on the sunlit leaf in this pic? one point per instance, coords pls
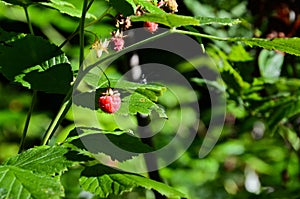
(105, 181)
(147, 5)
(270, 63)
(66, 8)
(44, 160)
(120, 145)
(288, 45)
(24, 2)
(170, 20)
(230, 75)
(174, 20)
(239, 54)
(216, 20)
(20, 183)
(136, 97)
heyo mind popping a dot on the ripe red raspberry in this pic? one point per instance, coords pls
(151, 26)
(110, 101)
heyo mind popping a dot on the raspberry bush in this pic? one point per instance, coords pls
(66, 63)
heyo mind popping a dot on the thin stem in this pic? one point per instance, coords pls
(99, 18)
(81, 32)
(33, 100)
(67, 101)
(89, 5)
(69, 37)
(116, 54)
(58, 118)
(87, 25)
(150, 158)
(28, 20)
(34, 94)
(201, 35)
(108, 81)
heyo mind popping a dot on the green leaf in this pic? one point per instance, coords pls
(143, 99)
(23, 61)
(170, 20)
(288, 45)
(139, 103)
(239, 54)
(52, 76)
(56, 79)
(132, 3)
(284, 111)
(100, 141)
(231, 76)
(123, 7)
(291, 136)
(215, 84)
(173, 20)
(105, 181)
(147, 5)
(8, 37)
(270, 64)
(23, 3)
(20, 183)
(216, 20)
(66, 8)
(24, 53)
(136, 97)
(43, 160)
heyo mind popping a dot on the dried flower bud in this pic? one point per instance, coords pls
(123, 23)
(139, 11)
(172, 5)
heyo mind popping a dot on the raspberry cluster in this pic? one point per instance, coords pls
(110, 101)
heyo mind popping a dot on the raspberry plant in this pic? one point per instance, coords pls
(45, 65)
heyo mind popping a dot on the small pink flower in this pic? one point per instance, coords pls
(151, 26)
(118, 40)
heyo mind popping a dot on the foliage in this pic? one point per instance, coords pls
(42, 48)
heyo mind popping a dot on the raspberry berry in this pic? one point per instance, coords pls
(110, 101)
(151, 26)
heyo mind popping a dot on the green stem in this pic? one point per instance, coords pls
(33, 100)
(81, 32)
(59, 117)
(89, 24)
(89, 5)
(68, 99)
(69, 38)
(34, 94)
(99, 18)
(82, 73)
(201, 35)
(68, 102)
(28, 20)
